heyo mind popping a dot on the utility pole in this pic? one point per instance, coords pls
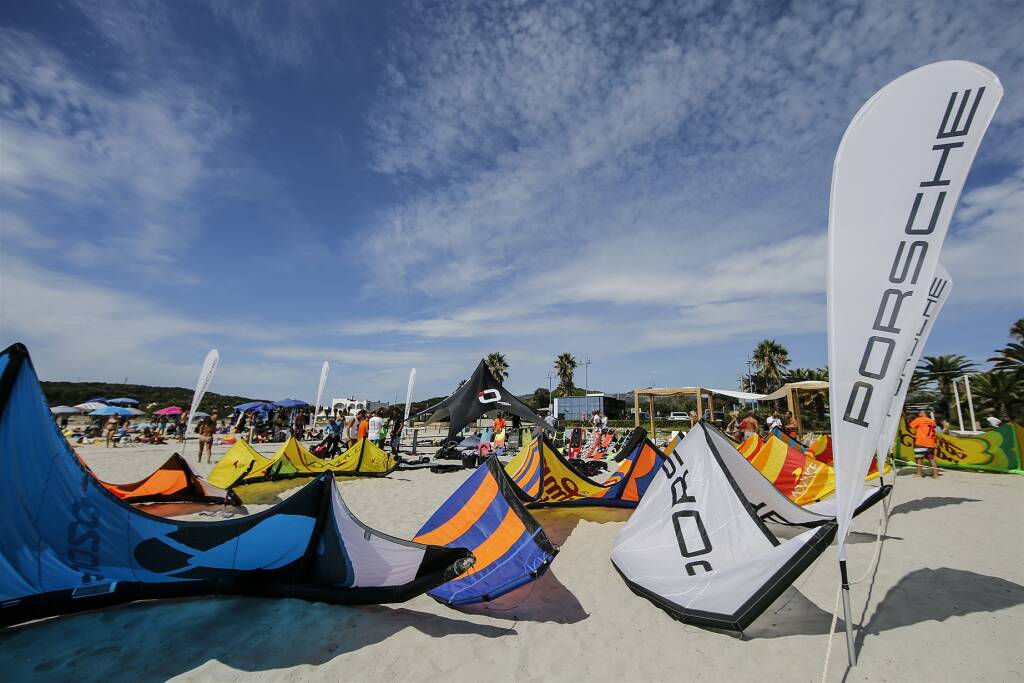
(586, 381)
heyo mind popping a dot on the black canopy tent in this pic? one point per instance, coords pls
(481, 395)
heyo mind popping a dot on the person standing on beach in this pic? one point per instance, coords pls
(206, 430)
(374, 425)
(791, 425)
(923, 428)
(363, 428)
(351, 430)
(111, 431)
(333, 432)
(773, 422)
(396, 433)
(733, 428)
(749, 425)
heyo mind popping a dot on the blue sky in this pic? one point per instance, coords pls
(389, 185)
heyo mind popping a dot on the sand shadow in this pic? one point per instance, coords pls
(937, 595)
(547, 599)
(929, 503)
(158, 640)
(559, 523)
(543, 600)
(792, 614)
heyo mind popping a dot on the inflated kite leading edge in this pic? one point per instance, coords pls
(68, 544)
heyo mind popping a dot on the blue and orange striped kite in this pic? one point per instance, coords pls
(485, 514)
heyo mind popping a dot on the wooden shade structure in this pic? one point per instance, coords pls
(788, 391)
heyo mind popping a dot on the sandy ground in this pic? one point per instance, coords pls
(945, 603)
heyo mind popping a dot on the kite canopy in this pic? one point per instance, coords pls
(238, 461)
(243, 465)
(485, 514)
(821, 449)
(695, 547)
(174, 481)
(546, 479)
(770, 504)
(68, 544)
(752, 444)
(480, 395)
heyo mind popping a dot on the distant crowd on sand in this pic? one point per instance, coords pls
(383, 427)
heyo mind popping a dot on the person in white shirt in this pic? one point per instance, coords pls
(773, 422)
(376, 422)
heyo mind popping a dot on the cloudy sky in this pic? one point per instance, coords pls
(389, 185)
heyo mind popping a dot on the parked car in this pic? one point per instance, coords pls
(678, 417)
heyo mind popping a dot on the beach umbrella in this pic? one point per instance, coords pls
(64, 410)
(200, 413)
(111, 410)
(252, 405)
(135, 411)
(290, 403)
(90, 405)
(169, 410)
(123, 402)
(98, 399)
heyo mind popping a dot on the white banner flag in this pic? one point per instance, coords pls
(408, 394)
(896, 180)
(205, 375)
(324, 371)
(935, 299)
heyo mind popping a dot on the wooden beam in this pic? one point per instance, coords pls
(651, 416)
(636, 407)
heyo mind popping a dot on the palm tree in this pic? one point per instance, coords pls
(807, 374)
(498, 366)
(565, 367)
(1000, 393)
(1010, 359)
(943, 370)
(771, 360)
(1017, 330)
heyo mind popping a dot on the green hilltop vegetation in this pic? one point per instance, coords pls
(73, 393)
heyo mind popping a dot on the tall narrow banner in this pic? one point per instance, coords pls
(205, 375)
(935, 299)
(325, 370)
(896, 181)
(408, 394)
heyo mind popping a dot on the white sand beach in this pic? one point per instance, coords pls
(946, 602)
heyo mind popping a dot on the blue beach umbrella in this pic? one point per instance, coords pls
(290, 403)
(123, 402)
(111, 410)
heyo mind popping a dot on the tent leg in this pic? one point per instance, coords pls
(850, 651)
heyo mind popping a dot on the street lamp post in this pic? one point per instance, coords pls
(551, 405)
(586, 383)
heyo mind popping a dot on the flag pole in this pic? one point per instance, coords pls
(850, 650)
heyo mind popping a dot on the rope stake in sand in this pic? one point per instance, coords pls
(205, 375)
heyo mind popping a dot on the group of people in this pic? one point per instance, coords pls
(743, 428)
(382, 427)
